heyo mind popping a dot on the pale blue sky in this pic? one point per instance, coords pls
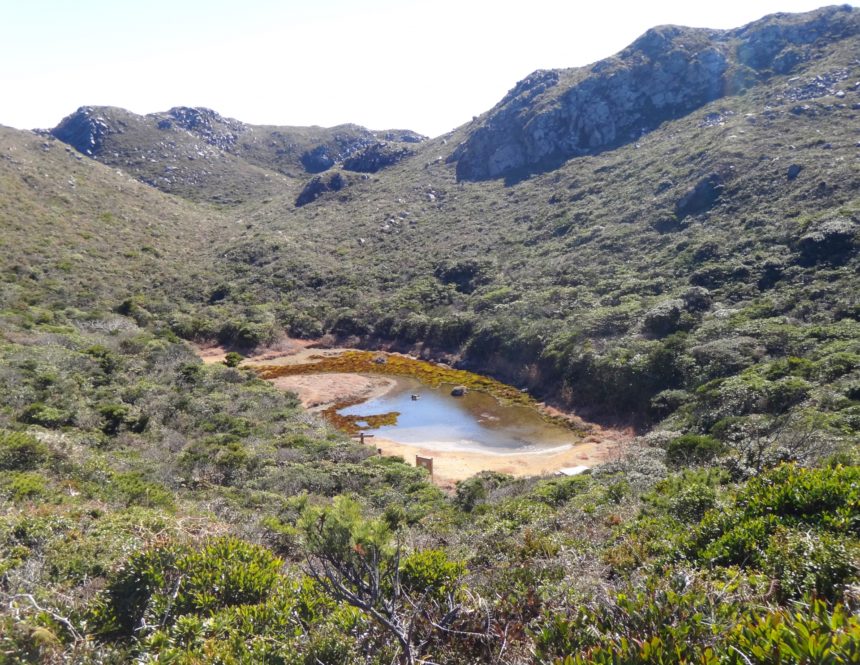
(422, 65)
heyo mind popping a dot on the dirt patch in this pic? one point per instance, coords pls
(275, 354)
(319, 391)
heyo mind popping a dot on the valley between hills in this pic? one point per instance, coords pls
(659, 252)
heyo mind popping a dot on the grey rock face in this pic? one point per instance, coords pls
(375, 157)
(664, 317)
(317, 160)
(84, 130)
(207, 124)
(670, 71)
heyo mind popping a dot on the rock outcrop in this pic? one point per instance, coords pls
(318, 159)
(670, 71)
(375, 157)
(207, 124)
(196, 152)
(85, 130)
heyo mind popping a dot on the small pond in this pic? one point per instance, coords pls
(476, 422)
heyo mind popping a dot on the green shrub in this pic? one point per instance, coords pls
(692, 502)
(132, 489)
(113, 417)
(23, 485)
(806, 634)
(232, 359)
(785, 393)
(157, 585)
(47, 416)
(692, 449)
(811, 563)
(558, 491)
(798, 525)
(473, 491)
(430, 572)
(21, 452)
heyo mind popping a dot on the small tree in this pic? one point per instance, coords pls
(232, 359)
(357, 561)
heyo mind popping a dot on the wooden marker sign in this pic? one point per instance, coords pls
(425, 463)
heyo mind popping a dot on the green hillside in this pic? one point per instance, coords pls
(665, 240)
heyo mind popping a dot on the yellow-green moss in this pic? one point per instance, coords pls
(366, 362)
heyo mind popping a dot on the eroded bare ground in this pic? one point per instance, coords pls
(318, 391)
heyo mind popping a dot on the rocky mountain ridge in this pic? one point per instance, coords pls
(187, 149)
(667, 73)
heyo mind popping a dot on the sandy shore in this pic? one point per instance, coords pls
(318, 391)
(451, 466)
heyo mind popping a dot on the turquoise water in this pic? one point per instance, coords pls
(475, 422)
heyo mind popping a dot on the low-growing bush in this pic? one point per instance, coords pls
(159, 584)
(693, 449)
(21, 452)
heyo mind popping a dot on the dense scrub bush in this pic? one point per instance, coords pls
(799, 525)
(472, 492)
(21, 452)
(690, 627)
(159, 584)
(692, 449)
(430, 572)
(39, 413)
(23, 485)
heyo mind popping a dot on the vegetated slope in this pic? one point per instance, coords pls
(80, 234)
(699, 260)
(203, 156)
(158, 509)
(113, 435)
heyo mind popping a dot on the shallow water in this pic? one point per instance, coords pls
(475, 422)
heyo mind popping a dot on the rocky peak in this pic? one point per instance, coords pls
(207, 124)
(85, 130)
(667, 73)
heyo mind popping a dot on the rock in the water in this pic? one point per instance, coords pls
(458, 391)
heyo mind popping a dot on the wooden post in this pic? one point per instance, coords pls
(361, 436)
(425, 463)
